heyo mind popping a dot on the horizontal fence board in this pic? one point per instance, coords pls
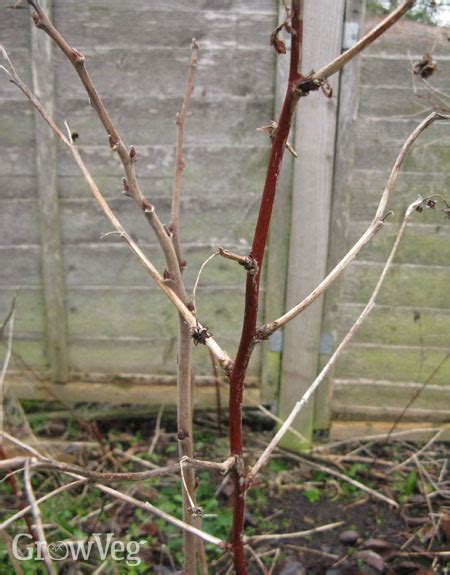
(29, 317)
(150, 357)
(346, 411)
(433, 158)
(366, 187)
(114, 265)
(148, 313)
(384, 71)
(213, 220)
(194, 190)
(115, 393)
(177, 8)
(391, 325)
(225, 121)
(380, 142)
(162, 73)
(244, 166)
(407, 334)
(395, 131)
(393, 364)
(418, 432)
(17, 122)
(24, 214)
(14, 27)
(233, 96)
(90, 24)
(415, 286)
(28, 355)
(22, 62)
(408, 36)
(421, 244)
(392, 103)
(20, 266)
(392, 395)
(18, 187)
(17, 161)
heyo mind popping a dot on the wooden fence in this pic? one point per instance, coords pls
(88, 324)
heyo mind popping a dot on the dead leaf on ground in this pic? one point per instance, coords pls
(372, 559)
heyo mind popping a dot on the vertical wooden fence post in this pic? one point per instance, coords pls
(311, 202)
(51, 252)
(348, 104)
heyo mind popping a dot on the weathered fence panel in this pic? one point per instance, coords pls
(115, 322)
(86, 312)
(405, 341)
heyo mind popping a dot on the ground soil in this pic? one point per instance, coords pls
(292, 496)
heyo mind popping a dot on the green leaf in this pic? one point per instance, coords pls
(277, 465)
(312, 495)
(410, 483)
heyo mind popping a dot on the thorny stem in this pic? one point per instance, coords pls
(252, 288)
(298, 85)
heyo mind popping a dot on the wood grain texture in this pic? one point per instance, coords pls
(203, 218)
(389, 70)
(339, 222)
(385, 413)
(423, 244)
(115, 394)
(18, 187)
(399, 325)
(82, 261)
(115, 71)
(140, 71)
(51, 252)
(182, 6)
(345, 429)
(313, 176)
(100, 312)
(408, 333)
(147, 24)
(25, 215)
(366, 392)
(393, 363)
(407, 284)
(365, 189)
(29, 319)
(14, 29)
(152, 355)
(223, 149)
(225, 121)
(20, 266)
(426, 38)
